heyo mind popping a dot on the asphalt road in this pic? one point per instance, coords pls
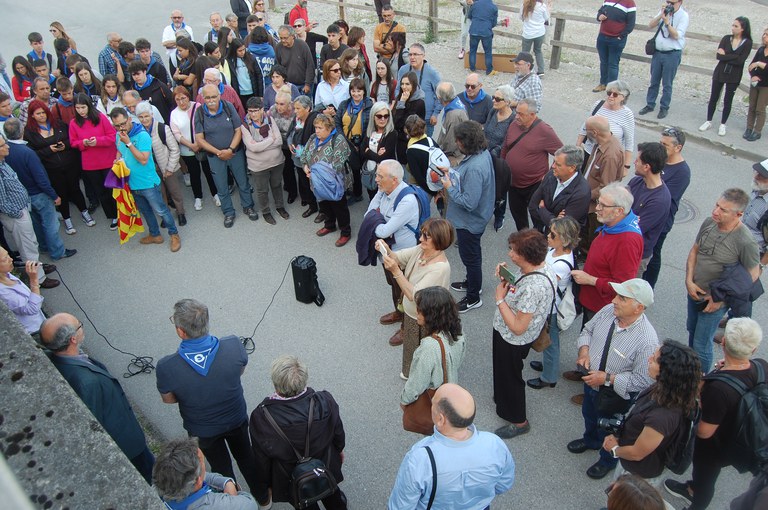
(129, 293)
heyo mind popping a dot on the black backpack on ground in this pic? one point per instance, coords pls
(310, 480)
(748, 446)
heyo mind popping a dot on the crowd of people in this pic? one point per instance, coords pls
(258, 102)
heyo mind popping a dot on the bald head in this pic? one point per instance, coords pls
(456, 405)
(58, 332)
(472, 85)
(599, 124)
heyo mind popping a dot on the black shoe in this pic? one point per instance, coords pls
(49, 268)
(283, 213)
(229, 221)
(459, 286)
(320, 218)
(747, 134)
(92, 208)
(645, 109)
(171, 203)
(303, 203)
(182, 220)
(510, 431)
(269, 219)
(252, 215)
(113, 225)
(662, 114)
(498, 224)
(579, 446)
(50, 283)
(309, 212)
(754, 136)
(464, 305)
(67, 254)
(598, 470)
(291, 199)
(679, 489)
(537, 366)
(538, 384)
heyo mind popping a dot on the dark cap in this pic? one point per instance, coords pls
(761, 168)
(523, 56)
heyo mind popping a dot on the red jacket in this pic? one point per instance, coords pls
(612, 258)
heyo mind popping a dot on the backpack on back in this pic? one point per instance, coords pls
(422, 200)
(748, 447)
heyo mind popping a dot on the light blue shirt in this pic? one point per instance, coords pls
(469, 473)
(243, 79)
(142, 176)
(407, 213)
(679, 21)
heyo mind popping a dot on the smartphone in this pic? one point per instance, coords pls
(582, 369)
(383, 250)
(506, 274)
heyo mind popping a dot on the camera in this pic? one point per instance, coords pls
(669, 9)
(613, 425)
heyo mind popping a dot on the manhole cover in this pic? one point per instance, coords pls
(686, 213)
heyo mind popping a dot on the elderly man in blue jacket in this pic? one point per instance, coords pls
(483, 16)
(99, 390)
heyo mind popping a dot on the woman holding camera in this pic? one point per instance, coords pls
(731, 55)
(659, 414)
(438, 318)
(522, 309)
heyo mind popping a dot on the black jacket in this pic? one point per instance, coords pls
(736, 288)
(160, 96)
(275, 459)
(413, 107)
(254, 71)
(366, 238)
(574, 200)
(54, 161)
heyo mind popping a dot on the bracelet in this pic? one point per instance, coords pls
(129, 144)
(231, 149)
(396, 276)
(500, 301)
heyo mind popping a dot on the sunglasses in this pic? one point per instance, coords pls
(614, 94)
(498, 99)
(335, 70)
(382, 115)
(297, 25)
(470, 86)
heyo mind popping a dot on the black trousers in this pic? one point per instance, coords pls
(95, 178)
(239, 443)
(518, 199)
(337, 211)
(195, 167)
(66, 182)
(305, 192)
(289, 175)
(707, 463)
(508, 382)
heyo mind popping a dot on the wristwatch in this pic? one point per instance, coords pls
(613, 451)
(607, 379)
(129, 144)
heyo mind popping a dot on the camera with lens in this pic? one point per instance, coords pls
(669, 9)
(613, 425)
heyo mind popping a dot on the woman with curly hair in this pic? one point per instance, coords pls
(660, 414)
(438, 318)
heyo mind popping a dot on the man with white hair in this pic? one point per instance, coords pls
(216, 22)
(169, 36)
(108, 57)
(720, 418)
(212, 76)
(453, 114)
(397, 203)
(614, 347)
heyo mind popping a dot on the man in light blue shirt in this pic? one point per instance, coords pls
(472, 466)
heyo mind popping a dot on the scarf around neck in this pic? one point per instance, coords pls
(630, 223)
(199, 353)
(184, 503)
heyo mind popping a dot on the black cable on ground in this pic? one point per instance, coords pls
(247, 341)
(138, 364)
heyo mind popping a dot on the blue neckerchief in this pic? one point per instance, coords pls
(48, 126)
(51, 80)
(199, 353)
(113, 99)
(319, 144)
(150, 79)
(62, 102)
(3, 119)
(152, 61)
(221, 88)
(184, 503)
(87, 88)
(480, 97)
(120, 58)
(631, 223)
(184, 64)
(33, 56)
(208, 112)
(254, 124)
(149, 129)
(456, 104)
(183, 25)
(354, 108)
(214, 36)
(136, 128)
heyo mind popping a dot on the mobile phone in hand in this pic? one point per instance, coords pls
(506, 274)
(582, 369)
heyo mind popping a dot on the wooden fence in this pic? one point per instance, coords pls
(558, 41)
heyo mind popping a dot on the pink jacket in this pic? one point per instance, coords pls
(102, 155)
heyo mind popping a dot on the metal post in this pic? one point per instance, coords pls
(554, 62)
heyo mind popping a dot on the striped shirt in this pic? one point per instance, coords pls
(622, 122)
(630, 349)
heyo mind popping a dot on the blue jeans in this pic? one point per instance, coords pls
(594, 436)
(536, 43)
(472, 258)
(551, 357)
(663, 70)
(219, 172)
(609, 49)
(46, 225)
(150, 201)
(487, 41)
(701, 330)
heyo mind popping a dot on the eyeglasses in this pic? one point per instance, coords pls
(254, 110)
(601, 205)
(210, 98)
(335, 70)
(53, 30)
(298, 25)
(673, 132)
(425, 234)
(79, 327)
(614, 94)
(498, 99)
(177, 17)
(382, 115)
(471, 86)
(121, 125)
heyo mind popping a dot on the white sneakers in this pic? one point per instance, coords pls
(461, 53)
(705, 126)
(187, 181)
(721, 130)
(87, 219)
(68, 227)
(216, 200)
(198, 204)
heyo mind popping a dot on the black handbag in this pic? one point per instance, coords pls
(650, 44)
